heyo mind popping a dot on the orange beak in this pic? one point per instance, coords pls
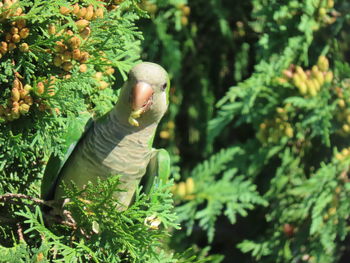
(141, 96)
(141, 101)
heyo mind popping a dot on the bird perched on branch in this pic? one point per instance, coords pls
(119, 143)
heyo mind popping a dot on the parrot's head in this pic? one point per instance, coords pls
(148, 88)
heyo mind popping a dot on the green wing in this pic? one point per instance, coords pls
(76, 129)
(159, 165)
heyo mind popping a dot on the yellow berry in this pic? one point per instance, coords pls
(164, 135)
(74, 42)
(98, 75)
(330, 4)
(323, 63)
(18, 11)
(184, 20)
(60, 47)
(189, 186)
(299, 70)
(83, 68)
(181, 189)
(296, 80)
(81, 24)
(99, 13)
(67, 56)
(3, 47)
(102, 85)
(40, 88)
(57, 61)
(329, 77)
(346, 128)
(84, 57)
(64, 10)
(24, 108)
(16, 38)
(76, 54)
(289, 132)
(186, 10)
(316, 84)
(341, 103)
(67, 66)
(82, 12)
(52, 29)
(89, 12)
(85, 33)
(313, 91)
(109, 71)
(339, 156)
(14, 30)
(322, 11)
(28, 87)
(319, 77)
(21, 23)
(15, 96)
(24, 47)
(76, 9)
(40, 257)
(17, 84)
(23, 93)
(28, 100)
(24, 33)
(302, 88)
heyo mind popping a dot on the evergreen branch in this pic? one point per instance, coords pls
(20, 232)
(11, 197)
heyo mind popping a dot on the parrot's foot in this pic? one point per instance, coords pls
(57, 214)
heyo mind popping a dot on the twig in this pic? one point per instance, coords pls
(9, 197)
(12, 198)
(20, 232)
(68, 216)
(58, 219)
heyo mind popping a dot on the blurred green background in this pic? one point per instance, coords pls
(239, 115)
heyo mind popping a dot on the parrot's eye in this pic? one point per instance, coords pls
(164, 86)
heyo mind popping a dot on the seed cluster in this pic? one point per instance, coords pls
(9, 9)
(345, 153)
(185, 13)
(323, 10)
(343, 115)
(310, 82)
(168, 132)
(70, 51)
(272, 130)
(184, 190)
(148, 6)
(101, 78)
(17, 30)
(19, 103)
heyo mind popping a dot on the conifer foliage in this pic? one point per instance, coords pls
(257, 128)
(282, 126)
(61, 61)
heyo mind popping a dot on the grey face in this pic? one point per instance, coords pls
(147, 92)
(151, 73)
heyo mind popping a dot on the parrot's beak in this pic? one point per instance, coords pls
(141, 101)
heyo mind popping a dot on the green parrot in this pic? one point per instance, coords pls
(119, 143)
